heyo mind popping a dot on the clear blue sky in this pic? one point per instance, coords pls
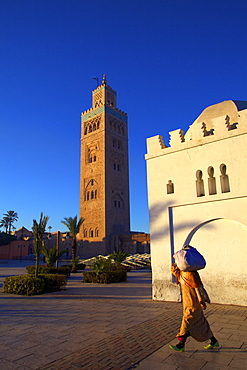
(167, 60)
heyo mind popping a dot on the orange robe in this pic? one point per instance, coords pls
(194, 299)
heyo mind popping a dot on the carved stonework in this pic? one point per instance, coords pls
(92, 125)
(205, 131)
(230, 126)
(117, 126)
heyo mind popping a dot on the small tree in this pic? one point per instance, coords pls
(100, 264)
(38, 233)
(118, 257)
(52, 255)
(74, 228)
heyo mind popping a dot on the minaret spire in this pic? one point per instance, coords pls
(104, 82)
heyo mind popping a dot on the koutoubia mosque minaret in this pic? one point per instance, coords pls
(104, 171)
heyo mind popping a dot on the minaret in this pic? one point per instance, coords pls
(104, 172)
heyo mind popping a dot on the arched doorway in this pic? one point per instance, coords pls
(223, 243)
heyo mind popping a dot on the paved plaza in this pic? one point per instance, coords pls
(116, 326)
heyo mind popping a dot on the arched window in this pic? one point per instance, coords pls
(118, 201)
(90, 128)
(85, 233)
(94, 126)
(199, 184)
(91, 233)
(211, 181)
(96, 232)
(91, 190)
(224, 180)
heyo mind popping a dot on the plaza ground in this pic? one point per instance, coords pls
(116, 326)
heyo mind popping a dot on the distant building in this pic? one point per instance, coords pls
(22, 248)
(197, 193)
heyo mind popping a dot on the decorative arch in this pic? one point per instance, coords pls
(224, 179)
(199, 184)
(91, 190)
(118, 202)
(211, 181)
(193, 231)
(223, 243)
(91, 233)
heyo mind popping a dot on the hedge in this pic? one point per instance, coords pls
(114, 267)
(63, 270)
(80, 266)
(108, 277)
(31, 285)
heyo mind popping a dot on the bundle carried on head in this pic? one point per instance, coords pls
(189, 259)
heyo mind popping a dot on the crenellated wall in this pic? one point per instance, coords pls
(197, 194)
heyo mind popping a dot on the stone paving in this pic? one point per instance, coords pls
(116, 326)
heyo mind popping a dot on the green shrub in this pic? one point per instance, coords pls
(114, 267)
(79, 266)
(63, 270)
(106, 277)
(31, 285)
(100, 264)
(23, 285)
(54, 282)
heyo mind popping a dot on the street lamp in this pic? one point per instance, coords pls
(20, 246)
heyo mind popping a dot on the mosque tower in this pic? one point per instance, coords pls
(104, 172)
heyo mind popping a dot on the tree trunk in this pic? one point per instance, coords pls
(37, 266)
(73, 248)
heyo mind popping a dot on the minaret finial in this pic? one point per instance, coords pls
(104, 82)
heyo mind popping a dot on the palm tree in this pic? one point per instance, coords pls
(12, 216)
(52, 255)
(38, 233)
(5, 223)
(74, 228)
(118, 257)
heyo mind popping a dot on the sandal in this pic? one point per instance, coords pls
(176, 348)
(211, 346)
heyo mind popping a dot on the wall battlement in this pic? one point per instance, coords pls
(210, 126)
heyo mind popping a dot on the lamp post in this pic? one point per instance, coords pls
(20, 246)
(58, 245)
